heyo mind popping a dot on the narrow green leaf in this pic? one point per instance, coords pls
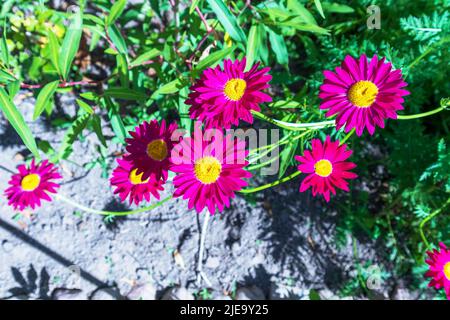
(300, 10)
(4, 51)
(13, 88)
(125, 93)
(193, 6)
(72, 134)
(171, 87)
(183, 109)
(145, 57)
(337, 8)
(122, 67)
(279, 47)
(212, 59)
(16, 119)
(286, 156)
(70, 44)
(116, 11)
(45, 96)
(83, 105)
(115, 119)
(253, 44)
(319, 7)
(55, 49)
(6, 77)
(227, 20)
(97, 126)
(117, 39)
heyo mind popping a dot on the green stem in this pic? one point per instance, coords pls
(111, 213)
(431, 216)
(347, 136)
(293, 126)
(272, 184)
(421, 115)
(319, 125)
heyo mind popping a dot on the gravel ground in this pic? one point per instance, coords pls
(278, 244)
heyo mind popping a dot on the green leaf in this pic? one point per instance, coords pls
(72, 134)
(314, 295)
(115, 119)
(117, 39)
(319, 7)
(83, 105)
(16, 119)
(125, 93)
(169, 88)
(212, 59)
(6, 77)
(227, 20)
(116, 11)
(13, 88)
(279, 47)
(44, 98)
(183, 109)
(97, 126)
(286, 156)
(337, 8)
(299, 9)
(283, 104)
(55, 49)
(70, 44)
(253, 44)
(193, 6)
(4, 51)
(145, 57)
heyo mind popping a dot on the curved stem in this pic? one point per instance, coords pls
(424, 221)
(272, 184)
(110, 213)
(421, 115)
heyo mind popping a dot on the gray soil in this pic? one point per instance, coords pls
(277, 244)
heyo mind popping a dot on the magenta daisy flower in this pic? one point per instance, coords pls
(326, 167)
(32, 184)
(363, 94)
(149, 148)
(439, 263)
(209, 173)
(129, 183)
(221, 98)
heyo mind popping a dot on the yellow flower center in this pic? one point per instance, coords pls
(323, 168)
(30, 182)
(207, 170)
(235, 89)
(362, 94)
(157, 150)
(136, 178)
(447, 270)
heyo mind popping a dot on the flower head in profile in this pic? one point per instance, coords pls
(32, 184)
(209, 172)
(222, 97)
(149, 149)
(362, 93)
(326, 168)
(439, 272)
(130, 184)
